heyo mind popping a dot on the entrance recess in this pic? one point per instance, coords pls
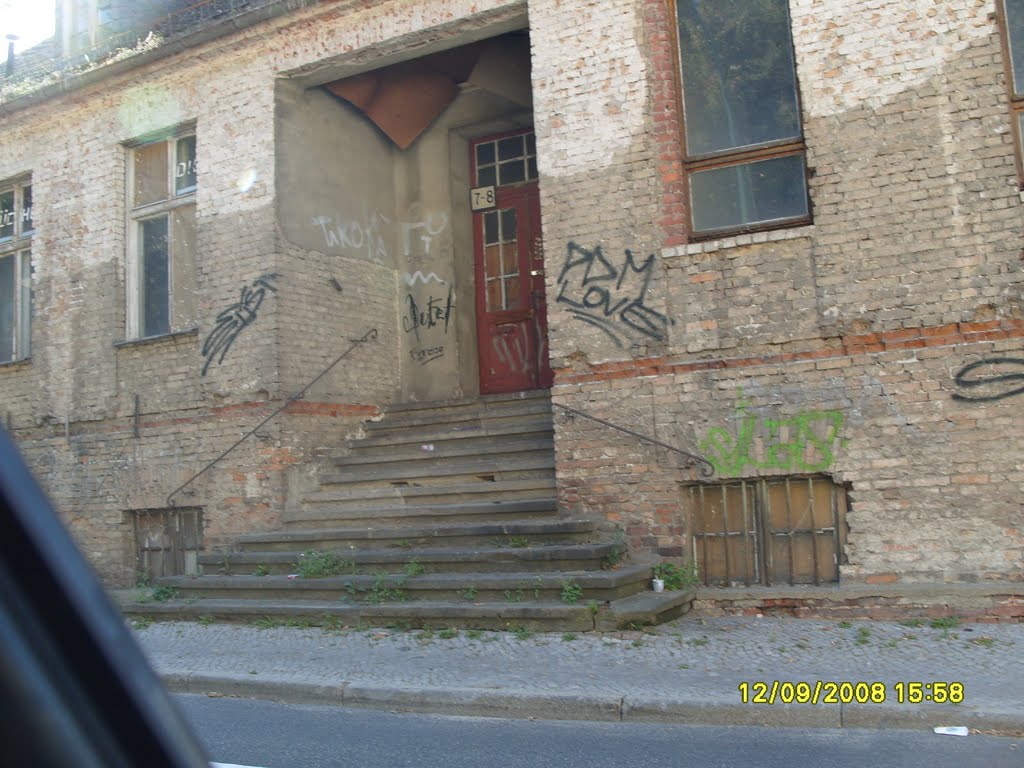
(510, 307)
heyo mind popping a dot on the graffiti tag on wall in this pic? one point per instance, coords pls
(427, 316)
(990, 379)
(236, 318)
(375, 236)
(802, 443)
(609, 297)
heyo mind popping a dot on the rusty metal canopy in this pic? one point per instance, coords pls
(404, 99)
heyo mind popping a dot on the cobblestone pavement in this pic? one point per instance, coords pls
(690, 670)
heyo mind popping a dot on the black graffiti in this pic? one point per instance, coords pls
(602, 295)
(978, 383)
(424, 356)
(233, 320)
(438, 311)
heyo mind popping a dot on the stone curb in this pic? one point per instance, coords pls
(477, 702)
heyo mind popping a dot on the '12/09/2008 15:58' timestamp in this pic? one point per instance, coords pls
(828, 692)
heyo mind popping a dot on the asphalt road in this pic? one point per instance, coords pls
(272, 735)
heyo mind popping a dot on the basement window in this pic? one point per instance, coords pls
(168, 541)
(768, 531)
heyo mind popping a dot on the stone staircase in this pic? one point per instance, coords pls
(442, 515)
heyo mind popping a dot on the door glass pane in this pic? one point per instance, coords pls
(739, 74)
(7, 215)
(492, 261)
(487, 176)
(512, 172)
(485, 153)
(150, 174)
(185, 167)
(508, 225)
(512, 292)
(491, 234)
(510, 259)
(510, 148)
(761, 191)
(494, 297)
(1015, 30)
(154, 297)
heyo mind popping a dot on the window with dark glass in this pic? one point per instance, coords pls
(1012, 24)
(161, 257)
(16, 231)
(508, 160)
(744, 143)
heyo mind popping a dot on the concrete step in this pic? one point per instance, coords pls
(481, 401)
(326, 515)
(483, 468)
(425, 456)
(433, 415)
(481, 491)
(486, 587)
(411, 537)
(548, 616)
(463, 434)
(532, 617)
(570, 557)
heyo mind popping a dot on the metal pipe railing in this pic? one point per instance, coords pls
(707, 469)
(370, 335)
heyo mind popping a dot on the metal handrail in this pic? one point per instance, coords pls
(707, 469)
(370, 335)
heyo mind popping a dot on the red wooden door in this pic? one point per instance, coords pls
(510, 307)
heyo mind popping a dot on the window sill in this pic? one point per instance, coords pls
(13, 363)
(156, 339)
(738, 241)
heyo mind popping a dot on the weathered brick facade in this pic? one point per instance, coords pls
(830, 349)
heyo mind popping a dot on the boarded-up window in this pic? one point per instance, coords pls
(167, 541)
(768, 531)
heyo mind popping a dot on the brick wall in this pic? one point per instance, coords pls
(112, 427)
(910, 271)
(836, 345)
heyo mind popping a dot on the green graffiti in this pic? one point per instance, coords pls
(802, 443)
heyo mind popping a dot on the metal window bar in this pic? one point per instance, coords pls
(759, 535)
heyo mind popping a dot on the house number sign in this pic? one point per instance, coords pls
(482, 198)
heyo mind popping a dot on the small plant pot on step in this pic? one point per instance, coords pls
(658, 585)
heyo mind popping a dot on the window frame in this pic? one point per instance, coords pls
(747, 154)
(180, 255)
(1016, 100)
(18, 246)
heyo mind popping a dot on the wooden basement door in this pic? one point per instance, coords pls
(510, 303)
(768, 531)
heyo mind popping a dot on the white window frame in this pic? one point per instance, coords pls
(181, 255)
(18, 246)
